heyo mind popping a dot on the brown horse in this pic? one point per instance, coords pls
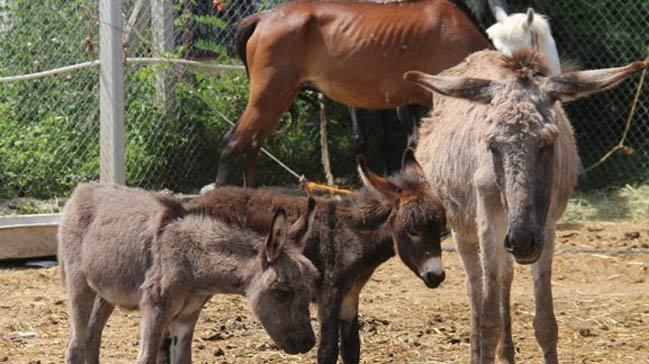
(353, 52)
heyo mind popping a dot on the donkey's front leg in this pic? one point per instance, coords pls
(506, 347)
(328, 315)
(153, 326)
(182, 333)
(545, 323)
(491, 230)
(468, 249)
(350, 342)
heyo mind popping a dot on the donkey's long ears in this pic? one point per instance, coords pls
(574, 85)
(410, 166)
(301, 229)
(277, 236)
(380, 186)
(474, 89)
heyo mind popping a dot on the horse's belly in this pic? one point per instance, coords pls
(385, 93)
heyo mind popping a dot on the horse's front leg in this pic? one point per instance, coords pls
(272, 92)
(545, 323)
(328, 316)
(492, 228)
(467, 247)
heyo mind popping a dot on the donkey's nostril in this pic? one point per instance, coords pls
(508, 244)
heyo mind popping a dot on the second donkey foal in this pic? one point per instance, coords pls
(127, 247)
(350, 239)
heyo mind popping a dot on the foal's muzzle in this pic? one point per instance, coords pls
(433, 280)
(526, 247)
(299, 344)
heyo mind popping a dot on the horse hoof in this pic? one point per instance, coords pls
(207, 188)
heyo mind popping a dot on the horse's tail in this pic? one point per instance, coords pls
(245, 29)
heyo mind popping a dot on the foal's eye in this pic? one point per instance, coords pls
(282, 294)
(413, 235)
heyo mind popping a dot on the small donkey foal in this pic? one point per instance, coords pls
(128, 247)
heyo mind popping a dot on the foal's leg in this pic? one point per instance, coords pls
(182, 333)
(491, 230)
(470, 255)
(407, 117)
(328, 316)
(506, 346)
(545, 323)
(350, 342)
(80, 303)
(101, 311)
(271, 93)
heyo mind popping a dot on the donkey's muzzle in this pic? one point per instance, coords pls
(299, 344)
(525, 247)
(433, 280)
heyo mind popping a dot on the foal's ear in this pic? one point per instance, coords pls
(302, 228)
(410, 166)
(474, 89)
(378, 185)
(277, 236)
(574, 85)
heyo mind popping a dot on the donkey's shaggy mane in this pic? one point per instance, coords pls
(526, 63)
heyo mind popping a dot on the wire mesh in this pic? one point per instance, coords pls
(50, 126)
(600, 34)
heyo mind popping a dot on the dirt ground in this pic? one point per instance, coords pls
(601, 303)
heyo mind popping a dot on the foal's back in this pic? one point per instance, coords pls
(103, 223)
(248, 207)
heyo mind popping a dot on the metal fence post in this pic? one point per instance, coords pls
(111, 93)
(163, 42)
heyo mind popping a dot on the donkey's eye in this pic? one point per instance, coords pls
(282, 294)
(413, 235)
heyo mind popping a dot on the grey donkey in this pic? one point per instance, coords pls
(499, 152)
(136, 249)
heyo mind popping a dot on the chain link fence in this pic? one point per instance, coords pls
(176, 114)
(600, 34)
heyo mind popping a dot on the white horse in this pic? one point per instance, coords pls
(518, 31)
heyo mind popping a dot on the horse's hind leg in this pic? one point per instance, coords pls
(408, 119)
(80, 301)
(101, 311)
(359, 131)
(271, 95)
(545, 323)
(392, 144)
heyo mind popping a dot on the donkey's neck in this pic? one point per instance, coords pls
(222, 257)
(369, 218)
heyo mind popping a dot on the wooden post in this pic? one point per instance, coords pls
(111, 93)
(324, 146)
(163, 41)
